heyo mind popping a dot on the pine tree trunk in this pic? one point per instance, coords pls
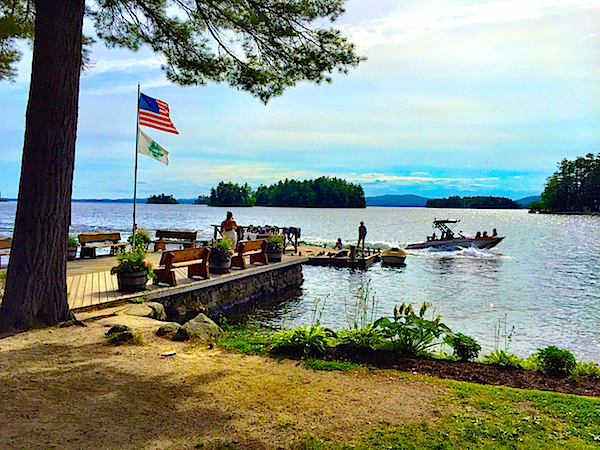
(36, 292)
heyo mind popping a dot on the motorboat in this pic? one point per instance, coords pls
(393, 257)
(449, 241)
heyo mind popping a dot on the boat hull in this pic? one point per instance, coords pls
(393, 257)
(455, 244)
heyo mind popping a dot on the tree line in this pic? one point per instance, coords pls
(323, 192)
(473, 202)
(574, 187)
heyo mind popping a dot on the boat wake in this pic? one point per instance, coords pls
(466, 252)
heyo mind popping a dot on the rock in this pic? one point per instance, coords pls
(200, 327)
(138, 309)
(118, 329)
(158, 311)
(169, 328)
(122, 337)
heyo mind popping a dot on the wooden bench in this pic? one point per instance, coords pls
(5, 244)
(195, 259)
(164, 237)
(257, 250)
(101, 240)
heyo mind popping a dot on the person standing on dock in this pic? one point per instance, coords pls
(362, 234)
(228, 229)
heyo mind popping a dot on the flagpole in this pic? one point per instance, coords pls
(137, 127)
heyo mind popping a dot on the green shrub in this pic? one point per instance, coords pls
(554, 359)
(305, 340)
(275, 243)
(367, 337)
(142, 239)
(465, 347)
(72, 242)
(220, 251)
(409, 333)
(503, 359)
(586, 369)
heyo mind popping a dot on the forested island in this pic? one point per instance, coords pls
(162, 199)
(473, 203)
(574, 187)
(323, 192)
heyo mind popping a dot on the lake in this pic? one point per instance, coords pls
(542, 280)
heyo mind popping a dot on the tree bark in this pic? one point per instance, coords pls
(36, 288)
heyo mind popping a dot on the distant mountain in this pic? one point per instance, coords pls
(524, 202)
(397, 200)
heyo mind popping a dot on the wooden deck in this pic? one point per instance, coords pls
(90, 284)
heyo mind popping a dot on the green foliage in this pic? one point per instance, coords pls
(275, 242)
(473, 202)
(465, 347)
(136, 300)
(259, 47)
(319, 364)
(129, 261)
(586, 369)
(503, 359)
(220, 251)
(162, 199)
(142, 238)
(247, 340)
(575, 186)
(72, 242)
(305, 340)
(322, 192)
(409, 333)
(367, 337)
(202, 200)
(229, 194)
(555, 359)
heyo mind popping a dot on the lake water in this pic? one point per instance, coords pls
(543, 279)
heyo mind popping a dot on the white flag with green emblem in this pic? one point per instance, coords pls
(147, 146)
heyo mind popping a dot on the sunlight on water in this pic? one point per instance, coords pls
(544, 277)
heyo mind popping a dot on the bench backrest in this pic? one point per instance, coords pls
(249, 246)
(172, 234)
(188, 254)
(5, 243)
(86, 238)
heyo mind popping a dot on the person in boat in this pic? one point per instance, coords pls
(478, 235)
(484, 234)
(494, 233)
(434, 237)
(338, 244)
(228, 229)
(362, 234)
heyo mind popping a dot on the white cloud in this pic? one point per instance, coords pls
(402, 27)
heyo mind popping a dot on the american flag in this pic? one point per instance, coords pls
(155, 113)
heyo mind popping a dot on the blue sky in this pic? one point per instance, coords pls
(456, 98)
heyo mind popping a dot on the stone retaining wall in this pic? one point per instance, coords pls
(228, 292)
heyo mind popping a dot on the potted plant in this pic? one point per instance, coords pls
(72, 245)
(142, 239)
(274, 248)
(132, 271)
(219, 260)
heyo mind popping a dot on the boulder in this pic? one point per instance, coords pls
(118, 329)
(169, 328)
(158, 311)
(200, 327)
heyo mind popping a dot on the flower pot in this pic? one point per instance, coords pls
(274, 255)
(71, 253)
(132, 281)
(219, 266)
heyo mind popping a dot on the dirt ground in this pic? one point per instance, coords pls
(67, 388)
